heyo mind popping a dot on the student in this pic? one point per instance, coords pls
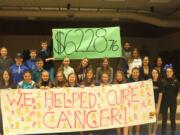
(72, 80)
(120, 79)
(171, 87)
(134, 61)
(104, 81)
(123, 61)
(27, 82)
(105, 67)
(126, 52)
(81, 69)
(135, 77)
(17, 70)
(66, 68)
(159, 66)
(60, 80)
(158, 93)
(6, 81)
(89, 78)
(36, 75)
(88, 81)
(31, 63)
(145, 70)
(5, 61)
(45, 82)
(45, 54)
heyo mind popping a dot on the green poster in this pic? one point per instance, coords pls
(78, 43)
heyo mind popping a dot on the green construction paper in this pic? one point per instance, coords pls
(92, 43)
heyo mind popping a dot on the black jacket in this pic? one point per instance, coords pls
(171, 88)
(5, 64)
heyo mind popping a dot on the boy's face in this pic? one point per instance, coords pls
(159, 62)
(127, 46)
(39, 64)
(135, 74)
(33, 55)
(3, 52)
(18, 61)
(44, 45)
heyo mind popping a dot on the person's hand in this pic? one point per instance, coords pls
(157, 112)
(19, 90)
(82, 86)
(47, 59)
(151, 114)
(42, 87)
(92, 85)
(47, 87)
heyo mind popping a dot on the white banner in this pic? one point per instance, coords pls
(77, 109)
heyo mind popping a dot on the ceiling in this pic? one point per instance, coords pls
(160, 9)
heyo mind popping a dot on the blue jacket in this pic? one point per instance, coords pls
(36, 75)
(17, 73)
(31, 64)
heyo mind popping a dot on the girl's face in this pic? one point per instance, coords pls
(90, 74)
(27, 77)
(119, 76)
(60, 77)
(45, 76)
(105, 63)
(159, 62)
(169, 72)
(6, 76)
(85, 62)
(105, 78)
(66, 62)
(4, 52)
(155, 74)
(135, 74)
(145, 61)
(135, 54)
(44, 46)
(72, 79)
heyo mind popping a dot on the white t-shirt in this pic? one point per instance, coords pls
(68, 70)
(135, 63)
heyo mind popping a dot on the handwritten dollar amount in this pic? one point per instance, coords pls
(87, 40)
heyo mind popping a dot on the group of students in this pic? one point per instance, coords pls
(38, 72)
